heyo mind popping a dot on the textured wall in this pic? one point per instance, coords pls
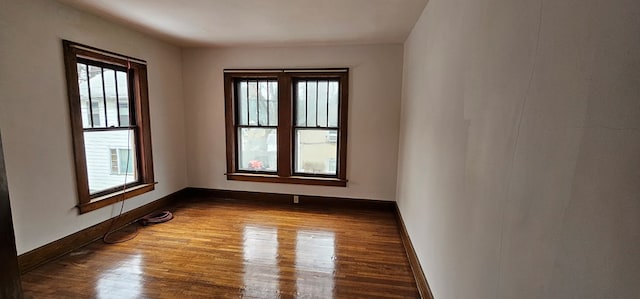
(519, 164)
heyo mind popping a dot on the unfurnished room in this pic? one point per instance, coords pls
(320, 149)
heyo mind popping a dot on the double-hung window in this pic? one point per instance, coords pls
(257, 124)
(108, 101)
(287, 126)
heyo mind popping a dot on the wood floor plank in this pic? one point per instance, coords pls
(235, 248)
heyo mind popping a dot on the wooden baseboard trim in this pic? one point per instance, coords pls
(34, 258)
(416, 268)
(287, 199)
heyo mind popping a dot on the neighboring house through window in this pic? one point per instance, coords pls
(287, 126)
(108, 100)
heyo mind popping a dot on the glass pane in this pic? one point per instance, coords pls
(252, 94)
(301, 104)
(97, 96)
(322, 103)
(257, 102)
(316, 151)
(110, 91)
(273, 103)
(257, 149)
(262, 103)
(243, 113)
(99, 150)
(311, 103)
(83, 86)
(333, 103)
(123, 98)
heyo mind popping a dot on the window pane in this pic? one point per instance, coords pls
(262, 103)
(333, 103)
(322, 103)
(257, 149)
(273, 103)
(123, 98)
(83, 86)
(315, 151)
(97, 96)
(110, 91)
(252, 94)
(311, 103)
(100, 159)
(257, 102)
(243, 113)
(301, 104)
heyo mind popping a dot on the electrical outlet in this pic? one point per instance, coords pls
(296, 199)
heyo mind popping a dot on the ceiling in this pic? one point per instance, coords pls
(192, 23)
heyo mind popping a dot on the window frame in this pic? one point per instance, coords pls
(139, 107)
(285, 128)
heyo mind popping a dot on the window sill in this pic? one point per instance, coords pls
(114, 197)
(267, 178)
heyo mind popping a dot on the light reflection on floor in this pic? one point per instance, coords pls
(314, 263)
(260, 250)
(122, 281)
(235, 249)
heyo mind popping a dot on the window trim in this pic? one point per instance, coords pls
(138, 81)
(285, 170)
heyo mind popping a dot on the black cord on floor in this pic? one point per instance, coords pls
(106, 239)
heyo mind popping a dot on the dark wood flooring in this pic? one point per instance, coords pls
(217, 248)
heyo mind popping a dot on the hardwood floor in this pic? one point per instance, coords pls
(229, 249)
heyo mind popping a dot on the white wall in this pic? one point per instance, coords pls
(374, 109)
(519, 161)
(34, 115)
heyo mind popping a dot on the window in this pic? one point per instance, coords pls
(287, 126)
(108, 101)
(257, 125)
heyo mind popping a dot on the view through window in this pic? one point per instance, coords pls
(105, 102)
